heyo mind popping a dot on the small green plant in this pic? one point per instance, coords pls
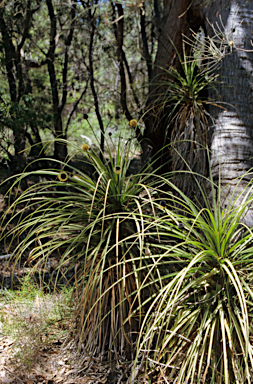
(198, 326)
(29, 289)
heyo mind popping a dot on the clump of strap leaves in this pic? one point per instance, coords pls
(92, 218)
(197, 326)
(161, 282)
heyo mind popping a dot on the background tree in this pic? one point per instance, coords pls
(231, 134)
(227, 41)
(177, 19)
(15, 23)
(36, 59)
(58, 61)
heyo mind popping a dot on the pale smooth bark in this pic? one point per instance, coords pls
(231, 127)
(232, 131)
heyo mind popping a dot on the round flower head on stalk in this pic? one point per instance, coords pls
(85, 116)
(162, 204)
(117, 169)
(133, 123)
(63, 176)
(85, 147)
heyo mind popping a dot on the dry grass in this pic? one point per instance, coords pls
(33, 320)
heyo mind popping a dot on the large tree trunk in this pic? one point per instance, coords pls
(232, 132)
(176, 20)
(231, 129)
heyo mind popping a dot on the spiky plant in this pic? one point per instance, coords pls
(198, 327)
(182, 103)
(96, 225)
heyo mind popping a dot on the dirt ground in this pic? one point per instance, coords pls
(57, 363)
(53, 366)
(50, 362)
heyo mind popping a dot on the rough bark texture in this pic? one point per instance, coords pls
(232, 132)
(92, 83)
(175, 22)
(60, 149)
(120, 40)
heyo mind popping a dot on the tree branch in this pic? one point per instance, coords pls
(145, 45)
(34, 64)
(66, 57)
(60, 149)
(10, 57)
(131, 81)
(26, 26)
(120, 38)
(92, 85)
(50, 62)
(75, 107)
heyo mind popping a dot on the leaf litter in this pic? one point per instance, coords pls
(48, 361)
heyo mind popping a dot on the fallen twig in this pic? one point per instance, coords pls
(14, 375)
(6, 256)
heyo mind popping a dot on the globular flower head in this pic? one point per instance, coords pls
(133, 123)
(85, 147)
(162, 204)
(180, 226)
(117, 169)
(63, 176)
(85, 116)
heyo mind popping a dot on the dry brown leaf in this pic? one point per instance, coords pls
(58, 380)
(5, 380)
(37, 301)
(70, 371)
(61, 371)
(38, 370)
(2, 360)
(83, 380)
(6, 343)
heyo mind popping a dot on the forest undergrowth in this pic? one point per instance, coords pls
(161, 283)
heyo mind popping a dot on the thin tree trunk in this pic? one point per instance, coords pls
(120, 39)
(92, 85)
(146, 53)
(60, 148)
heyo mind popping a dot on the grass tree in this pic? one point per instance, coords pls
(96, 224)
(198, 325)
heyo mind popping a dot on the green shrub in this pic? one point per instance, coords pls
(96, 224)
(198, 326)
